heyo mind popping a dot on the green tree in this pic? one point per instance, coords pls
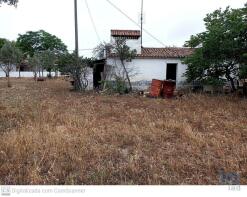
(78, 68)
(9, 2)
(38, 41)
(48, 61)
(122, 52)
(2, 41)
(220, 49)
(243, 67)
(35, 64)
(10, 56)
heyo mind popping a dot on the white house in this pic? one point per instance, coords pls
(151, 63)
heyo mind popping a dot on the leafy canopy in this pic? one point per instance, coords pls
(48, 60)
(2, 41)
(38, 41)
(9, 54)
(77, 67)
(220, 48)
(34, 62)
(122, 51)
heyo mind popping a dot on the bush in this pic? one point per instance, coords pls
(116, 86)
(214, 81)
(243, 72)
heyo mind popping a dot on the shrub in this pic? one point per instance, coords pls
(116, 86)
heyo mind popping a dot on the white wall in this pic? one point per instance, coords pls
(133, 44)
(24, 74)
(90, 79)
(149, 69)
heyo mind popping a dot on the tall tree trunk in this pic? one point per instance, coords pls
(231, 80)
(77, 80)
(8, 80)
(35, 73)
(245, 88)
(77, 83)
(56, 73)
(19, 71)
(232, 84)
(35, 76)
(127, 75)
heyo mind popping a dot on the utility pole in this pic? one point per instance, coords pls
(77, 79)
(76, 30)
(141, 21)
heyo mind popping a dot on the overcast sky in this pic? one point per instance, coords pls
(172, 22)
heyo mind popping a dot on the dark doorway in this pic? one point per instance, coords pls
(97, 73)
(171, 72)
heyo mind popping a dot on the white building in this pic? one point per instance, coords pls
(151, 63)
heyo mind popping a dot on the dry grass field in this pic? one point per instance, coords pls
(50, 135)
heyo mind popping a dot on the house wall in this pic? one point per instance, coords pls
(149, 69)
(133, 44)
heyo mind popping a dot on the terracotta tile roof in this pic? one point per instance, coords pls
(162, 53)
(167, 52)
(136, 33)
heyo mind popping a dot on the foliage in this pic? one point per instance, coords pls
(39, 41)
(121, 51)
(35, 63)
(243, 67)
(243, 72)
(220, 48)
(124, 53)
(9, 2)
(78, 68)
(47, 48)
(214, 81)
(116, 86)
(44, 60)
(48, 60)
(102, 50)
(9, 56)
(2, 41)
